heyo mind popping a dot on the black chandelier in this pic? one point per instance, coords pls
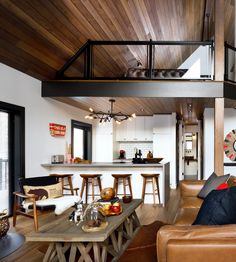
(107, 117)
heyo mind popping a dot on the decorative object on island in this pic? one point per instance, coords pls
(122, 154)
(230, 145)
(104, 117)
(4, 223)
(68, 153)
(57, 130)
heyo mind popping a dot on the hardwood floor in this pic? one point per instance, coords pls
(34, 252)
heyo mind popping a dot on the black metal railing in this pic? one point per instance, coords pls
(87, 60)
(4, 174)
(230, 59)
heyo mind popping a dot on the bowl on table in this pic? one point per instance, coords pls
(127, 199)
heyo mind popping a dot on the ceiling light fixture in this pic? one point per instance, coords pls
(107, 117)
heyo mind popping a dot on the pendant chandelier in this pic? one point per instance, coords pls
(107, 117)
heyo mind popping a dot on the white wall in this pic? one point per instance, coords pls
(199, 63)
(164, 142)
(20, 89)
(229, 125)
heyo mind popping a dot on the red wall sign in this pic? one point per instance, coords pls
(57, 130)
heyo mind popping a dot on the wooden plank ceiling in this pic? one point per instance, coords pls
(37, 37)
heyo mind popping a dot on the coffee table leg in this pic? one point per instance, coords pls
(96, 251)
(73, 251)
(49, 252)
(104, 254)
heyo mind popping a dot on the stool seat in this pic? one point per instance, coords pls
(62, 177)
(123, 178)
(121, 175)
(150, 175)
(90, 175)
(90, 179)
(154, 178)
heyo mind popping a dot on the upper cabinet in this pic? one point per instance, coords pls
(139, 129)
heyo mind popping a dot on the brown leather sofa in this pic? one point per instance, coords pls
(200, 243)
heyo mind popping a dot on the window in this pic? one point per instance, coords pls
(81, 140)
(12, 152)
(189, 145)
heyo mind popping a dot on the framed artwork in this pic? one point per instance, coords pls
(230, 145)
(57, 130)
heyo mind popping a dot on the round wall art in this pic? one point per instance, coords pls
(230, 145)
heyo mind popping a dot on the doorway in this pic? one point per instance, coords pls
(12, 152)
(81, 140)
(4, 161)
(190, 151)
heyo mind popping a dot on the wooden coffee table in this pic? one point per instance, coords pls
(64, 236)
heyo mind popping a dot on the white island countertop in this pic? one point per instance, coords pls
(106, 164)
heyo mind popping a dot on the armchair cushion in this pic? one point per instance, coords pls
(44, 192)
(61, 203)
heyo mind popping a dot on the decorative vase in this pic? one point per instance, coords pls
(4, 223)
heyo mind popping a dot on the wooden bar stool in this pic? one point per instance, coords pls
(90, 179)
(125, 179)
(66, 186)
(154, 178)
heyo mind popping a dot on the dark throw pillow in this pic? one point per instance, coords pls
(212, 183)
(218, 208)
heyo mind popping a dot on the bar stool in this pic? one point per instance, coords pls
(66, 186)
(123, 178)
(90, 179)
(154, 178)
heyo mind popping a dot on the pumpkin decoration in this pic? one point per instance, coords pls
(107, 193)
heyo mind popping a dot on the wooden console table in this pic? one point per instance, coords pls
(65, 237)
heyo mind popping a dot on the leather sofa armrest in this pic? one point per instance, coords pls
(191, 188)
(193, 250)
(198, 232)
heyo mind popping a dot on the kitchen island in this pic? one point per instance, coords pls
(107, 169)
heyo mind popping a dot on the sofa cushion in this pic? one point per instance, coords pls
(212, 183)
(218, 208)
(186, 216)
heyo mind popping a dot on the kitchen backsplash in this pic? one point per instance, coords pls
(130, 148)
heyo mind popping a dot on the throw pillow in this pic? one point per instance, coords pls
(44, 192)
(218, 208)
(212, 183)
(222, 186)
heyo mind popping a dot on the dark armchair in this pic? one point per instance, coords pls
(34, 200)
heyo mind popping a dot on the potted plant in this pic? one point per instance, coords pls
(4, 223)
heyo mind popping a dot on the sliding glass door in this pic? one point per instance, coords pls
(4, 161)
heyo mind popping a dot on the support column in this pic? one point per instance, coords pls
(219, 76)
(219, 137)
(219, 40)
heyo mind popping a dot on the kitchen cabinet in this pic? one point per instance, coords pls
(139, 129)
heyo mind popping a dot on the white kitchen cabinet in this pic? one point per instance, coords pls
(121, 131)
(139, 129)
(130, 130)
(148, 128)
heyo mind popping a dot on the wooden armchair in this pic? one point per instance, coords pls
(34, 201)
